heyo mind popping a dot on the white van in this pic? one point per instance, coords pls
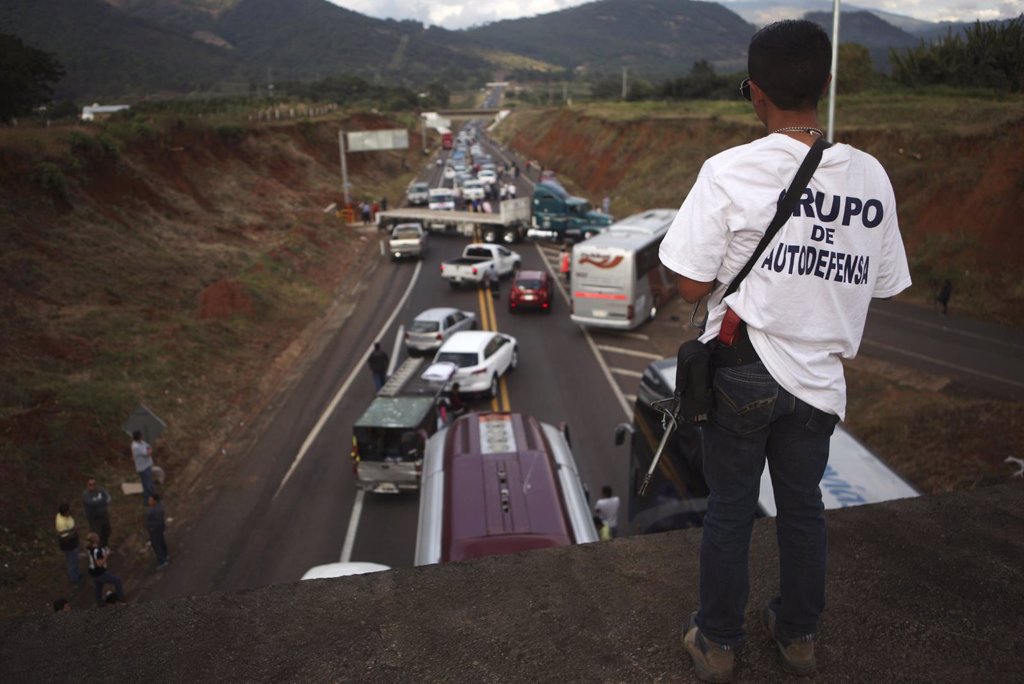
(441, 199)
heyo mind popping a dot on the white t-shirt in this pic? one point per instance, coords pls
(806, 299)
(608, 510)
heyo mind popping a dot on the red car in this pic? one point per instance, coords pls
(531, 289)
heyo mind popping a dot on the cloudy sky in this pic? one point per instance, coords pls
(455, 14)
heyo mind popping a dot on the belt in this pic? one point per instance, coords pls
(738, 354)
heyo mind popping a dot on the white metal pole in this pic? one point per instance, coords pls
(835, 71)
(344, 167)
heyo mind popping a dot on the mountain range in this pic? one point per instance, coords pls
(138, 48)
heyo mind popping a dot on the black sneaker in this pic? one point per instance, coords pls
(797, 655)
(713, 662)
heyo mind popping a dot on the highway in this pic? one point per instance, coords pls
(290, 500)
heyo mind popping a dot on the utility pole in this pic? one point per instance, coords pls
(423, 132)
(830, 131)
(625, 82)
(344, 167)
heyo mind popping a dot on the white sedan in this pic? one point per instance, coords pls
(481, 357)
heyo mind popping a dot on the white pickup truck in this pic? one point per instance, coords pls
(407, 240)
(476, 260)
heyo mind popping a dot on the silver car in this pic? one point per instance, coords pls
(430, 329)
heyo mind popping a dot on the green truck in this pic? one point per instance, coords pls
(561, 217)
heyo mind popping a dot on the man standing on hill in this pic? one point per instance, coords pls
(95, 500)
(142, 454)
(156, 524)
(778, 379)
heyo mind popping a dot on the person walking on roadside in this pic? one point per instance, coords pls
(607, 508)
(156, 524)
(101, 576)
(378, 363)
(95, 500)
(943, 297)
(778, 372)
(67, 540)
(565, 264)
(142, 454)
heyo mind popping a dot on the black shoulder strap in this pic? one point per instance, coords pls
(786, 207)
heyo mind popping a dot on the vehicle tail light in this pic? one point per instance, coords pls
(438, 336)
(629, 312)
(474, 270)
(442, 268)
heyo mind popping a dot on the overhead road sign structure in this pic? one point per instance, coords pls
(368, 141)
(373, 141)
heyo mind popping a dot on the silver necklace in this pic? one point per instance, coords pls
(800, 129)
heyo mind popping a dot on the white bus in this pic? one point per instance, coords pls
(617, 279)
(677, 495)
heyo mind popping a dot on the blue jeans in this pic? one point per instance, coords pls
(107, 578)
(159, 544)
(754, 419)
(378, 380)
(74, 574)
(146, 476)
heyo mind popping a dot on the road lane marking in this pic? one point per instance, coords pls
(627, 372)
(634, 336)
(358, 368)
(353, 526)
(394, 349)
(938, 362)
(629, 352)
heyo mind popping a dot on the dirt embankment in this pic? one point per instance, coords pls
(168, 263)
(960, 194)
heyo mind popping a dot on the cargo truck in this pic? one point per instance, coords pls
(561, 217)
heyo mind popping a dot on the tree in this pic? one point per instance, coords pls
(26, 79)
(988, 56)
(856, 71)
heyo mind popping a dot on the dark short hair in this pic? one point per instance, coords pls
(606, 491)
(59, 604)
(790, 61)
(137, 435)
(64, 509)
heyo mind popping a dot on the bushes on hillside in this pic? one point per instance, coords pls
(989, 55)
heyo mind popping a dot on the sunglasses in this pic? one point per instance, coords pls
(745, 89)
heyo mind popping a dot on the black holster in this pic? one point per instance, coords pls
(694, 376)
